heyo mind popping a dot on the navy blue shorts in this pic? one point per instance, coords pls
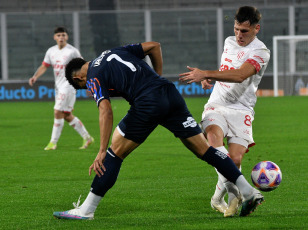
(159, 106)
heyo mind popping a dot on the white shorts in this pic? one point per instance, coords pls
(65, 99)
(235, 124)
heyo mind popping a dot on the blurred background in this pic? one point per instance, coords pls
(191, 32)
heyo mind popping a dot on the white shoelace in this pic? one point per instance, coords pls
(76, 205)
(76, 210)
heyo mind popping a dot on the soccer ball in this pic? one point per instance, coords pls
(266, 176)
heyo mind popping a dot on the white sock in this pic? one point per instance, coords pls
(90, 204)
(220, 190)
(245, 188)
(80, 128)
(232, 190)
(57, 130)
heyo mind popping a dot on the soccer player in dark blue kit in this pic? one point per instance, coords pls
(154, 101)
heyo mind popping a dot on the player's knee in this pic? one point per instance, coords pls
(237, 159)
(68, 117)
(214, 139)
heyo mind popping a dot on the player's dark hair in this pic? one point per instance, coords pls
(73, 66)
(60, 29)
(248, 13)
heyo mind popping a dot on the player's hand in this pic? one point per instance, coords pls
(98, 166)
(206, 84)
(32, 80)
(195, 75)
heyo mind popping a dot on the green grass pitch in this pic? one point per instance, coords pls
(161, 185)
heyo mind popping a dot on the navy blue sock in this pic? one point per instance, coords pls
(112, 163)
(222, 163)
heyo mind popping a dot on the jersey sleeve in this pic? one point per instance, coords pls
(259, 58)
(77, 54)
(135, 49)
(47, 62)
(97, 90)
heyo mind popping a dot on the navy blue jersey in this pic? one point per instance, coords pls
(122, 72)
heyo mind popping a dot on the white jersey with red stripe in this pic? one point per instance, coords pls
(58, 59)
(240, 95)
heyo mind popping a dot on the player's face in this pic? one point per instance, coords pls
(245, 33)
(61, 39)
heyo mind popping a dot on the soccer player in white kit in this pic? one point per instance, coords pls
(58, 56)
(229, 111)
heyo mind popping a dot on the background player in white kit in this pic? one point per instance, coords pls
(58, 56)
(229, 111)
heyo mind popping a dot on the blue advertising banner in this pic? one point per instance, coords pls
(44, 91)
(41, 91)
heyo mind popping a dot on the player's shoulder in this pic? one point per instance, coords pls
(257, 44)
(52, 48)
(70, 47)
(231, 41)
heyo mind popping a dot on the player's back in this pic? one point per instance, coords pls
(122, 72)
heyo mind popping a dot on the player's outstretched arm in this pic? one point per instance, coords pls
(39, 72)
(232, 75)
(153, 50)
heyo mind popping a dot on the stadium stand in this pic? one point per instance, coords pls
(187, 38)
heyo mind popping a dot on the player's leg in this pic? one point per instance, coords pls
(56, 130)
(215, 137)
(116, 153)
(181, 123)
(68, 106)
(224, 164)
(239, 136)
(236, 152)
(214, 126)
(59, 107)
(80, 129)
(129, 134)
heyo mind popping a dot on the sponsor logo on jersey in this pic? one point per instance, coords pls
(246, 132)
(224, 85)
(210, 108)
(190, 122)
(228, 60)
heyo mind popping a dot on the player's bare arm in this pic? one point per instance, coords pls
(39, 72)
(153, 50)
(232, 75)
(105, 125)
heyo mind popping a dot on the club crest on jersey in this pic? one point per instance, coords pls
(190, 122)
(240, 54)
